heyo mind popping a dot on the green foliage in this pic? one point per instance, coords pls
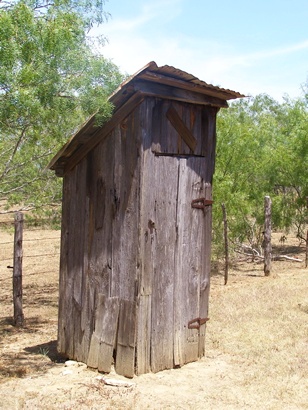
(262, 149)
(50, 82)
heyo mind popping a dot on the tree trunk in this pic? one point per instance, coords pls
(17, 270)
(267, 235)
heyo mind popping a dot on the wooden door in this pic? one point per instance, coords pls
(175, 248)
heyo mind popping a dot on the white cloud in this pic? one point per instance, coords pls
(133, 42)
(160, 9)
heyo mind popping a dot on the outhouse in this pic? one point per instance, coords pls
(136, 225)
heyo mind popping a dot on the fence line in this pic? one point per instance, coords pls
(16, 248)
(29, 240)
(28, 274)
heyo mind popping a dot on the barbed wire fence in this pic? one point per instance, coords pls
(25, 255)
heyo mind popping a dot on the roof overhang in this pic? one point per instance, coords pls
(162, 82)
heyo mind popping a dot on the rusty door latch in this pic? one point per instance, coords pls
(201, 203)
(196, 323)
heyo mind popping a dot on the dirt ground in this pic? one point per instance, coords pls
(256, 347)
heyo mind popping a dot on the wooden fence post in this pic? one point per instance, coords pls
(224, 213)
(267, 235)
(17, 270)
(306, 259)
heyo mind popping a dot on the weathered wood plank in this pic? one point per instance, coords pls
(168, 139)
(62, 310)
(143, 337)
(178, 94)
(126, 340)
(206, 267)
(190, 224)
(208, 124)
(181, 128)
(126, 219)
(101, 197)
(185, 85)
(78, 247)
(146, 236)
(104, 336)
(66, 311)
(161, 221)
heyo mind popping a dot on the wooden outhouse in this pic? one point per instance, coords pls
(136, 225)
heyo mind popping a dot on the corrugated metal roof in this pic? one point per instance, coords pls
(182, 75)
(179, 78)
(161, 82)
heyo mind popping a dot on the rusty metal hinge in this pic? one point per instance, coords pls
(196, 323)
(201, 203)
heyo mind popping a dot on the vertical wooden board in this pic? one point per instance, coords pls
(187, 119)
(126, 221)
(63, 271)
(166, 138)
(86, 326)
(195, 118)
(189, 260)
(98, 235)
(67, 315)
(108, 335)
(117, 214)
(154, 137)
(209, 129)
(79, 252)
(173, 142)
(101, 216)
(104, 336)
(89, 314)
(205, 272)
(86, 314)
(205, 133)
(163, 224)
(146, 237)
(126, 340)
(79, 235)
(143, 336)
(147, 198)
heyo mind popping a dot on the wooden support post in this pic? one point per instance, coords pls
(306, 259)
(267, 245)
(17, 270)
(224, 213)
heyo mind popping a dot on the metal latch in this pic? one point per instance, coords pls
(201, 203)
(196, 323)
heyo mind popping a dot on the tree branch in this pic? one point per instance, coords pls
(17, 145)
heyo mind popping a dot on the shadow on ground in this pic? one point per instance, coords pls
(49, 350)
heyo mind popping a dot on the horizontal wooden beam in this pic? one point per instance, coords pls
(172, 93)
(210, 91)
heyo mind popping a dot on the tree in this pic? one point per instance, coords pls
(50, 82)
(262, 149)
(288, 168)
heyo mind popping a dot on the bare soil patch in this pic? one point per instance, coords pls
(256, 356)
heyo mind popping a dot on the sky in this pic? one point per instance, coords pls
(252, 47)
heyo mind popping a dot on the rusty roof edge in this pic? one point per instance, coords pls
(195, 82)
(180, 78)
(151, 65)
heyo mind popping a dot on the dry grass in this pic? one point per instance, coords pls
(264, 329)
(257, 343)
